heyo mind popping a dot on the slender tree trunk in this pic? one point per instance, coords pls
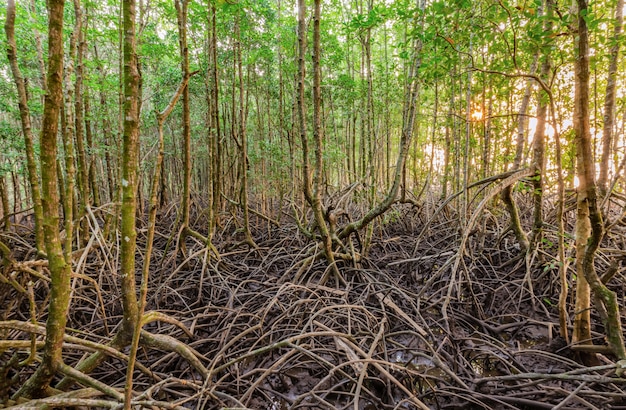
(83, 173)
(507, 193)
(466, 142)
(17, 196)
(92, 167)
(370, 140)
(538, 162)
(60, 269)
(281, 106)
(243, 138)
(130, 147)
(486, 123)
(589, 232)
(216, 171)
(33, 179)
(609, 99)
(68, 134)
(318, 136)
(408, 126)
(212, 126)
(582, 316)
(387, 110)
(311, 184)
(154, 188)
(446, 156)
(560, 212)
(181, 8)
(4, 198)
(433, 140)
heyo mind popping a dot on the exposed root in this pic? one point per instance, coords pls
(257, 329)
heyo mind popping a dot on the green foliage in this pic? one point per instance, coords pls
(454, 38)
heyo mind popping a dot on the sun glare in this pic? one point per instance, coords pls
(476, 115)
(532, 128)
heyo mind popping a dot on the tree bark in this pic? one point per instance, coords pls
(83, 173)
(538, 161)
(33, 179)
(68, 134)
(590, 228)
(212, 80)
(161, 117)
(609, 99)
(243, 137)
(507, 193)
(181, 13)
(60, 270)
(130, 147)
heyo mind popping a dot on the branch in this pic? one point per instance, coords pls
(161, 116)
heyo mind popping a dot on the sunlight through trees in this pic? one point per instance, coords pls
(354, 203)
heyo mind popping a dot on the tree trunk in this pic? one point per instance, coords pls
(93, 184)
(83, 173)
(4, 199)
(60, 270)
(408, 123)
(507, 193)
(216, 174)
(130, 147)
(318, 135)
(538, 162)
(243, 140)
(31, 165)
(154, 188)
(181, 9)
(609, 99)
(590, 228)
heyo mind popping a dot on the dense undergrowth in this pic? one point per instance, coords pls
(405, 332)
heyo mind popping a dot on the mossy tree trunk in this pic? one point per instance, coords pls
(181, 15)
(131, 79)
(29, 140)
(312, 182)
(609, 98)
(79, 113)
(4, 202)
(589, 227)
(153, 206)
(539, 145)
(213, 124)
(243, 135)
(60, 269)
(68, 134)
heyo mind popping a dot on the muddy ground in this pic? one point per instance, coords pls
(417, 324)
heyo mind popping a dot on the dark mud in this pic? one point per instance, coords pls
(407, 331)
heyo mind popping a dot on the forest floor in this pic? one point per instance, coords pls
(417, 325)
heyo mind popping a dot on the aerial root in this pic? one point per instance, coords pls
(86, 397)
(257, 329)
